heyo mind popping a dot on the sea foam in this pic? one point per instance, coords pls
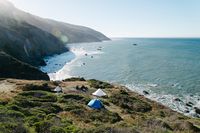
(59, 66)
(180, 105)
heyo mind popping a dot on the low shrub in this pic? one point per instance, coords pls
(40, 96)
(70, 98)
(9, 127)
(99, 84)
(26, 103)
(42, 127)
(104, 116)
(50, 116)
(15, 114)
(20, 109)
(56, 129)
(43, 87)
(50, 108)
(32, 120)
(71, 107)
(75, 79)
(130, 103)
(3, 102)
(107, 129)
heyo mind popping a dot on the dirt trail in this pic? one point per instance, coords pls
(7, 90)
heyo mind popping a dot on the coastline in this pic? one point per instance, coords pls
(61, 70)
(185, 106)
(76, 53)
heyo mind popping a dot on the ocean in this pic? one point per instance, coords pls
(167, 68)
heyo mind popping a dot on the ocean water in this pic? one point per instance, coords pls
(167, 68)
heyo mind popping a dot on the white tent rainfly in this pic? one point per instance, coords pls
(58, 89)
(99, 93)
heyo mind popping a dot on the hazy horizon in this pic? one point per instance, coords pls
(129, 18)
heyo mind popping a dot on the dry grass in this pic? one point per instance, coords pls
(158, 119)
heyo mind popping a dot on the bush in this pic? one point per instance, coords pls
(71, 107)
(32, 120)
(70, 98)
(12, 128)
(42, 127)
(131, 104)
(50, 116)
(50, 108)
(99, 84)
(106, 129)
(71, 129)
(38, 113)
(78, 112)
(43, 87)
(55, 129)
(3, 102)
(20, 109)
(104, 116)
(14, 114)
(26, 103)
(40, 96)
(75, 79)
(73, 97)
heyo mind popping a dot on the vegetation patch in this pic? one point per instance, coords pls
(41, 111)
(130, 103)
(74, 79)
(99, 84)
(37, 86)
(67, 98)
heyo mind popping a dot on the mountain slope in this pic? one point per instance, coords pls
(12, 68)
(28, 43)
(70, 33)
(29, 38)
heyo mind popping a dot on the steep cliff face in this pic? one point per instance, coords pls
(28, 43)
(13, 68)
(28, 38)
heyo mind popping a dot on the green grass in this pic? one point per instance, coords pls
(99, 84)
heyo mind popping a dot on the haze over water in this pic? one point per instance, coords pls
(166, 68)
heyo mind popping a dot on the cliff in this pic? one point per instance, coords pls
(13, 68)
(29, 38)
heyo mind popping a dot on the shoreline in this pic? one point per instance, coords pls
(176, 103)
(71, 56)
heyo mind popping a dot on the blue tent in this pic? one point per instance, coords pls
(95, 103)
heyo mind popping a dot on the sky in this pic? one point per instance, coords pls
(123, 18)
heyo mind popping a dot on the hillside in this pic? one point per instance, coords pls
(32, 106)
(11, 67)
(71, 33)
(29, 38)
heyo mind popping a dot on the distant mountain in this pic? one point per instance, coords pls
(28, 43)
(72, 33)
(29, 38)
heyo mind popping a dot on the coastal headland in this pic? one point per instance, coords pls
(33, 106)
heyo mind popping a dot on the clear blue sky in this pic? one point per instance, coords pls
(123, 18)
